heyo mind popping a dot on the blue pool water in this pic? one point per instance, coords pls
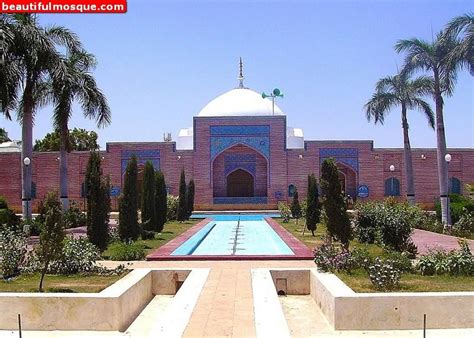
(235, 235)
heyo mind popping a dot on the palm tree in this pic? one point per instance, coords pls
(75, 82)
(3, 136)
(436, 57)
(34, 50)
(400, 91)
(463, 26)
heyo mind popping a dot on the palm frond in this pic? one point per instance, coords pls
(425, 108)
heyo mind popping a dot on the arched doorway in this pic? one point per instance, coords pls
(240, 183)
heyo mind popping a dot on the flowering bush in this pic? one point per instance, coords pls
(285, 211)
(330, 258)
(172, 208)
(383, 275)
(12, 251)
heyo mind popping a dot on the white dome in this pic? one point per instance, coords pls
(240, 102)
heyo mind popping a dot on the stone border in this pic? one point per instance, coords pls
(348, 310)
(112, 309)
(301, 251)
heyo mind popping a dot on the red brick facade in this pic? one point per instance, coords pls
(273, 167)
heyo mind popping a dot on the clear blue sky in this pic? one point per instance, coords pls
(160, 63)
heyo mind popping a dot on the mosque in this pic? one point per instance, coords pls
(242, 155)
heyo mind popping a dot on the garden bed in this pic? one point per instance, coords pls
(88, 283)
(410, 282)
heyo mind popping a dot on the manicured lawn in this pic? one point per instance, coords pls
(59, 283)
(171, 230)
(359, 282)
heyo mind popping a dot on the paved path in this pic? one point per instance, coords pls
(425, 240)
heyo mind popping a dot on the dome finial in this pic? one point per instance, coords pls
(241, 75)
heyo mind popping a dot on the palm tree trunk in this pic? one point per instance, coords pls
(408, 159)
(63, 167)
(441, 152)
(27, 151)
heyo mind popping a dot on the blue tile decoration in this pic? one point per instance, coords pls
(224, 137)
(247, 162)
(348, 156)
(152, 155)
(240, 200)
(149, 153)
(240, 130)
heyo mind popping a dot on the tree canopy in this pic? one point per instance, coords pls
(79, 140)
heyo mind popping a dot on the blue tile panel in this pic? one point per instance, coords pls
(240, 200)
(240, 130)
(247, 162)
(143, 156)
(348, 156)
(224, 137)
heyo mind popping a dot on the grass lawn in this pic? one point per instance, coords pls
(171, 230)
(59, 283)
(359, 282)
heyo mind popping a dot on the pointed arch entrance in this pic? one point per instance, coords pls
(239, 176)
(240, 183)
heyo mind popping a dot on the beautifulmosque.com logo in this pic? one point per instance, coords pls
(64, 6)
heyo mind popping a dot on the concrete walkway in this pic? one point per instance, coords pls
(426, 240)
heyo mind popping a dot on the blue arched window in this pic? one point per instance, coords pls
(454, 185)
(392, 187)
(291, 190)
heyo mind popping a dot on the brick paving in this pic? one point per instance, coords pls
(425, 240)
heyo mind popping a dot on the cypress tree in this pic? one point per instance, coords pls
(295, 206)
(313, 209)
(128, 207)
(98, 203)
(182, 212)
(51, 235)
(190, 199)
(148, 197)
(338, 223)
(161, 205)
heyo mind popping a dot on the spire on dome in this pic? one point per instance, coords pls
(241, 75)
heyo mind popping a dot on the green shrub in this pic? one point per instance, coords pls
(388, 223)
(182, 206)
(285, 211)
(148, 197)
(74, 217)
(171, 207)
(3, 203)
(114, 235)
(295, 206)
(147, 234)
(457, 204)
(384, 275)
(439, 262)
(464, 227)
(400, 261)
(161, 200)
(131, 251)
(361, 257)
(13, 251)
(313, 206)
(365, 221)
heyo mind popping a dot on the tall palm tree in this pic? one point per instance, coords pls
(463, 27)
(75, 82)
(35, 50)
(399, 90)
(436, 57)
